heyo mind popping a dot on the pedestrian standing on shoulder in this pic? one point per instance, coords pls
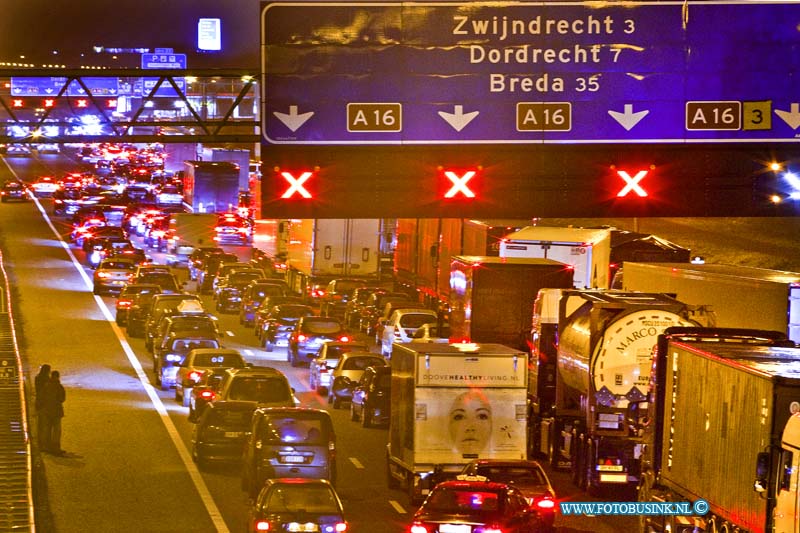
(39, 383)
(53, 410)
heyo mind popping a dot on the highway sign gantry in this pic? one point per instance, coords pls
(530, 72)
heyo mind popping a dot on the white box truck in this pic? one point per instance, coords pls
(588, 251)
(740, 297)
(452, 403)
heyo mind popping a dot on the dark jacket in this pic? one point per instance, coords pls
(53, 398)
(39, 383)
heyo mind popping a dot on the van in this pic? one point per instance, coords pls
(288, 442)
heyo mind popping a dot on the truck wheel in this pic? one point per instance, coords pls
(412, 498)
(391, 481)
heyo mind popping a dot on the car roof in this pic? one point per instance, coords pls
(290, 410)
(257, 370)
(506, 462)
(219, 351)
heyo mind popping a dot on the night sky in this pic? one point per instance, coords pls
(34, 28)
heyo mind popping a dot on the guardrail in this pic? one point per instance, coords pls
(16, 496)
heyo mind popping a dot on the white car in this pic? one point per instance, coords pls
(402, 325)
(48, 148)
(321, 368)
(44, 186)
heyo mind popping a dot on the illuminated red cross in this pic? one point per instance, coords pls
(18, 102)
(296, 185)
(82, 103)
(459, 184)
(632, 183)
(49, 102)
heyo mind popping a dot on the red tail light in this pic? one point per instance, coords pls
(418, 528)
(207, 395)
(340, 527)
(194, 375)
(546, 503)
(492, 529)
(301, 338)
(124, 304)
(344, 338)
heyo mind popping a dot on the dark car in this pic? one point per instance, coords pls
(205, 276)
(480, 504)
(229, 298)
(254, 294)
(348, 372)
(205, 391)
(337, 294)
(127, 296)
(309, 334)
(166, 281)
(66, 201)
(360, 297)
(373, 309)
(265, 312)
(371, 399)
(288, 442)
(221, 431)
(198, 256)
(528, 476)
(289, 503)
(168, 357)
(260, 385)
(13, 190)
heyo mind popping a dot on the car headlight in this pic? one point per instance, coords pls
(174, 358)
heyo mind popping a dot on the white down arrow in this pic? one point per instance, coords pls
(791, 117)
(293, 120)
(458, 119)
(628, 119)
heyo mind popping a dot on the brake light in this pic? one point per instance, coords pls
(418, 528)
(545, 503)
(340, 527)
(492, 529)
(317, 293)
(262, 525)
(344, 338)
(207, 395)
(301, 338)
(103, 275)
(194, 375)
(124, 304)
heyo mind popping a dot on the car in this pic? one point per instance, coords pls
(286, 504)
(279, 324)
(44, 186)
(47, 148)
(166, 281)
(479, 504)
(347, 374)
(254, 294)
(372, 310)
(185, 314)
(229, 297)
(204, 392)
(321, 368)
(388, 312)
(211, 264)
(288, 442)
(220, 432)
(197, 363)
(112, 274)
(155, 307)
(402, 325)
(224, 272)
(18, 149)
(168, 357)
(309, 334)
(66, 201)
(352, 312)
(94, 233)
(126, 298)
(233, 229)
(105, 247)
(371, 399)
(337, 293)
(13, 190)
(528, 476)
(264, 314)
(432, 332)
(197, 257)
(260, 385)
(85, 227)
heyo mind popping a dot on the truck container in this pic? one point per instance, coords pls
(271, 236)
(725, 429)
(323, 249)
(588, 251)
(425, 246)
(643, 248)
(491, 298)
(241, 158)
(210, 187)
(188, 231)
(603, 360)
(451, 404)
(741, 297)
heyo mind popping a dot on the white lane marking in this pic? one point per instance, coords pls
(229, 333)
(158, 405)
(397, 507)
(248, 352)
(356, 463)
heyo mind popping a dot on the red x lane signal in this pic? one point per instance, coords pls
(81, 103)
(17, 103)
(632, 183)
(459, 184)
(296, 185)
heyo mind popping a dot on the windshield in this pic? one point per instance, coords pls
(185, 346)
(415, 320)
(294, 498)
(294, 311)
(512, 474)
(228, 360)
(288, 429)
(453, 501)
(361, 363)
(260, 389)
(322, 327)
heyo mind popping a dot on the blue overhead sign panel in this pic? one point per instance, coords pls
(52, 86)
(530, 72)
(167, 60)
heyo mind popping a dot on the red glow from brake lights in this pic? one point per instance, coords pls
(301, 338)
(123, 304)
(418, 528)
(632, 183)
(459, 184)
(17, 103)
(194, 375)
(262, 525)
(207, 395)
(344, 338)
(545, 503)
(492, 530)
(296, 185)
(340, 527)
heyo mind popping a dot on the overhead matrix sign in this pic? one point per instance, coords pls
(530, 72)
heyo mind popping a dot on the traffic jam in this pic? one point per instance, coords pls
(488, 391)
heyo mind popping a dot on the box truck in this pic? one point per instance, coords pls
(724, 419)
(491, 298)
(210, 187)
(741, 297)
(604, 353)
(452, 403)
(588, 251)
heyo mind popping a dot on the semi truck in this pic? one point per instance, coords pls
(725, 429)
(741, 297)
(491, 298)
(210, 187)
(425, 246)
(602, 367)
(452, 403)
(323, 249)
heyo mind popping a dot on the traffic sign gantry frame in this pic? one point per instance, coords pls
(462, 72)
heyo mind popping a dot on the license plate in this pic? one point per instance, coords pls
(233, 434)
(307, 527)
(455, 528)
(293, 459)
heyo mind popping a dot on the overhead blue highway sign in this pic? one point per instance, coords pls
(51, 86)
(530, 72)
(164, 61)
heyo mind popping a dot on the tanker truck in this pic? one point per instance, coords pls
(735, 447)
(603, 361)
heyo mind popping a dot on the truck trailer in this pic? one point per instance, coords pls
(491, 298)
(210, 187)
(725, 429)
(323, 249)
(603, 360)
(452, 403)
(741, 297)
